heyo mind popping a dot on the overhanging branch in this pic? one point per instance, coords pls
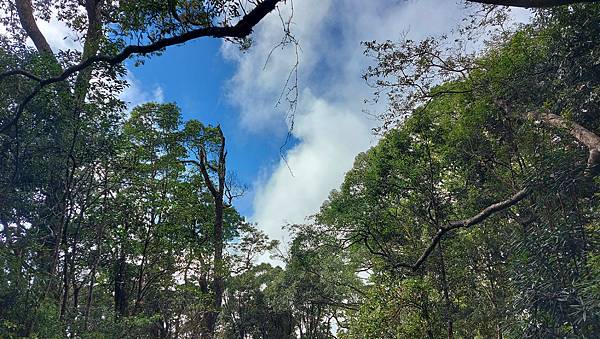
(240, 30)
(580, 133)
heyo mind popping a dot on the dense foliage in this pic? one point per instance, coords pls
(509, 120)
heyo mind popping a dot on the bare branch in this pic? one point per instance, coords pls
(476, 219)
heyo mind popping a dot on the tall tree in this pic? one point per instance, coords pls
(208, 149)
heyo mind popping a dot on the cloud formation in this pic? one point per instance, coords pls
(330, 125)
(137, 93)
(58, 35)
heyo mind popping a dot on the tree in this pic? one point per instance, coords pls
(427, 60)
(208, 148)
(70, 167)
(249, 309)
(495, 141)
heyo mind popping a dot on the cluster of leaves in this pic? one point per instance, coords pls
(461, 136)
(112, 223)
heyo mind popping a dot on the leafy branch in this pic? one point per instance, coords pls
(240, 30)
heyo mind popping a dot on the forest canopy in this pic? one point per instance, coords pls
(474, 215)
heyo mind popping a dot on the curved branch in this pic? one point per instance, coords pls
(580, 133)
(476, 219)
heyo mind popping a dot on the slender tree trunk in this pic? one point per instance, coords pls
(120, 284)
(425, 315)
(218, 282)
(217, 190)
(445, 288)
(98, 252)
(140, 278)
(65, 294)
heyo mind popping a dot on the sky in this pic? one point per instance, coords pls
(215, 82)
(289, 172)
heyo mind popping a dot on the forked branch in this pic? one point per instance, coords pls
(474, 220)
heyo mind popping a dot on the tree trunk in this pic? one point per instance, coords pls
(445, 288)
(217, 190)
(120, 285)
(218, 281)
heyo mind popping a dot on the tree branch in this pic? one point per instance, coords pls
(20, 72)
(25, 12)
(476, 219)
(531, 3)
(205, 174)
(201, 165)
(582, 134)
(588, 138)
(240, 30)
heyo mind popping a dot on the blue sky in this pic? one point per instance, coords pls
(195, 76)
(214, 82)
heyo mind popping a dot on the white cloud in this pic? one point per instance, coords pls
(329, 124)
(58, 35)
(330, 136)
(137, 93)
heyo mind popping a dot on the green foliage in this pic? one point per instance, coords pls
(522, 272)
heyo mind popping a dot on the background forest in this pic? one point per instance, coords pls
(474, 216)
